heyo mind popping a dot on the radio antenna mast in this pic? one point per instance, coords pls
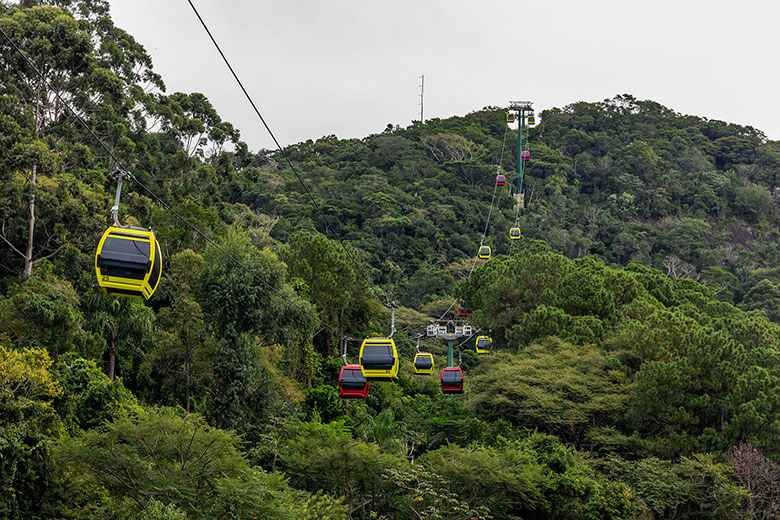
(422, 92)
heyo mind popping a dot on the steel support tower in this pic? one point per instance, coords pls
(522, 109)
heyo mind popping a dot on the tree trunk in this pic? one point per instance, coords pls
(112, 357)
(187, 375)
(28, 254)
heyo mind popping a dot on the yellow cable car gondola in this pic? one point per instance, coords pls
(482, 345)
(531, 120)
(423, 363)
(128, 262)
(514, 233)
(510, 117)
(484, 252)
(379, 359)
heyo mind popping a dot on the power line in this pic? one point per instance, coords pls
(144, 187)
(284, 154)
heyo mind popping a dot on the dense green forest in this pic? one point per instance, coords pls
(636, 325)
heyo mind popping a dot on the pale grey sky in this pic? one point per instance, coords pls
(350, 67)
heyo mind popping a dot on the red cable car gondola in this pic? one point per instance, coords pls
(500, 180)
(352, 384)
(525, 155)
(452, 380)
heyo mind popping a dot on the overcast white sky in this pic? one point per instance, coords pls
(350, 67)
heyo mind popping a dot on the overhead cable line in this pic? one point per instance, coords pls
(484, 233)
(284, 154)
(492, 201)
(129, 174)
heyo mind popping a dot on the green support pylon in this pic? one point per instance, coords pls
(450, 352)
(519, 180)
(521, 108)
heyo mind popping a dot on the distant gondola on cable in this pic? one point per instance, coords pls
(452, 380)
(500, 180)
(483, 344)
(423, 363)
(525, 155)
(352, 384)
(531, 120)
(510, 117)
(484, 252)
(128, 260)
(379, 359)
(463, 310)
(514, 233)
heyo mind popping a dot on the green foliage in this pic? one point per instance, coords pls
(124, 324)
(177, 460)
(90, 398)
(554, 386)
(177, 367)
(156, 510)
(251, 297)
(427, 496)
(330, 280)
(325, 402)
(42, 311)
(692, 488)
(318, 456)
(636, 363)
(27, 424)
(535, 477)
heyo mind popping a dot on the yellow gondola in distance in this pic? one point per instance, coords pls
(484, 252)
(510, 117)
(379, 359)
(514, 233)
(423, 363)
(531, 120)
(128, 262)
(482, 345)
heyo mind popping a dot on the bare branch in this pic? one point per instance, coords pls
(3, 236)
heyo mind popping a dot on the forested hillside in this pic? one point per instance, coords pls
(635, 370)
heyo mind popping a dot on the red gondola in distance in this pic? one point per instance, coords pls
(525, 155)
(452, 380)
(500, 180)
(352, 384)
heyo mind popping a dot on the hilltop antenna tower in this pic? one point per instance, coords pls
(422, 91)
(521, 108)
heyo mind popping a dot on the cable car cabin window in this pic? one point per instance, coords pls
(352, 379)
(452, 377)
(124, 257)
(423, 362)
(378, 356)
(482, 345)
